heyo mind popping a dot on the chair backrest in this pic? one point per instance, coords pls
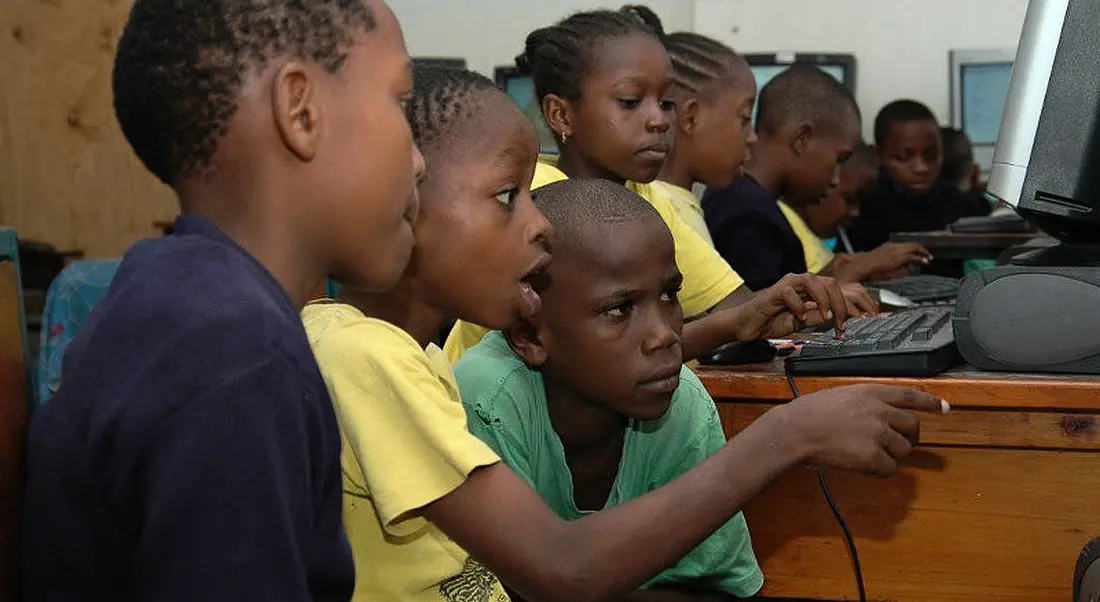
(71, 297)
(14, 409)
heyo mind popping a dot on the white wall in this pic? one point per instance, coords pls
(490, 33)
(900, 46)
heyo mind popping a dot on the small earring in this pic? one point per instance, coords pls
(564, 137)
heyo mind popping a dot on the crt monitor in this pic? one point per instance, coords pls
(522, 90)
(1046, 162)
(979, 86)
(764, 67)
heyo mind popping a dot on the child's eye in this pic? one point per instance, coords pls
(620, 311)
(668, 105)
(629, 103)
(508, 198)
(669, 296)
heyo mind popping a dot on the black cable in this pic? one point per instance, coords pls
(848, 538)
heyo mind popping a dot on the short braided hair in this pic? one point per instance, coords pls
(442, 98)
(560, 57)
(180, 64)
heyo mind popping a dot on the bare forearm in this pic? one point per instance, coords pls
(607, 555)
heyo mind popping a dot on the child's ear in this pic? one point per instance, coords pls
(558, 113)
(800, 138)
(687, 115)
(297, 113)
(525, 338)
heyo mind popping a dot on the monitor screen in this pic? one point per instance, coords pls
(983, 88)
(522, 90)
(765, 73)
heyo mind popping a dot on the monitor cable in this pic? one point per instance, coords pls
(848, 538)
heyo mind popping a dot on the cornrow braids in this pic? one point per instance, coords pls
(699, 61)
(560, 57)
(180, 64)
(442, 98)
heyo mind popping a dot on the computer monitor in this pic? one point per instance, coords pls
(764, 67)
(522, 90)
(979, 86)
(453, 63)
(1046, 162)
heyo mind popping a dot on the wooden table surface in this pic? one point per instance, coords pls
(994, 505)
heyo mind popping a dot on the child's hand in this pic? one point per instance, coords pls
(862, 428)
(893, 255)
(791, 304)
(860, 302)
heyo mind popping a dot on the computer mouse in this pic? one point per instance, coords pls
(735, 353)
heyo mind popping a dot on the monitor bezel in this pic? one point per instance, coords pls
(959, 59)
(847, 62)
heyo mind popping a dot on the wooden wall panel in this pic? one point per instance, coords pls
(67, 176)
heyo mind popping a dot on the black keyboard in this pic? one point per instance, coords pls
(912, 342)
(1008, 223)
(921, 288)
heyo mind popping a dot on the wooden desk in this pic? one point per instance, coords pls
(994, 506)
(951, 245)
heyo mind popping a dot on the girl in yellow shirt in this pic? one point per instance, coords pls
(607, 94)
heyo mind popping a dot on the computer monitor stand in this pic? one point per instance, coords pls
(1061, 255)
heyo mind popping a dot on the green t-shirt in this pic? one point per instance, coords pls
(506, 407)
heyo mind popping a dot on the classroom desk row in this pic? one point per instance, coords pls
(994, 505)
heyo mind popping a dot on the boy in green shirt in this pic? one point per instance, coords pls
(604, 424)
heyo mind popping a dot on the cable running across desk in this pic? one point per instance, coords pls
(848, 538)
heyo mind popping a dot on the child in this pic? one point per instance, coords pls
(603, 80)
(715, 93)
(808, 124)
(588, 400)
(192, 451)
(424, 497)
(840, 208)
(910, 197)
(959, 167)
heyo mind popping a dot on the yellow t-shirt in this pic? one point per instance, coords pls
(404, 445)
(708, 279)
(688, 207)
(818, 256)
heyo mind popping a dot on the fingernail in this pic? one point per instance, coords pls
(829, 315)
(944, 406)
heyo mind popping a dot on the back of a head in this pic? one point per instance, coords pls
(579, 210)
(699, 62)
(444, 98)
(804, 93)
(958, 155)
(899, 111)
(560, 57)
(180, 65)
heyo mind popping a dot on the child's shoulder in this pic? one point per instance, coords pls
(493, 379)
(336, 329)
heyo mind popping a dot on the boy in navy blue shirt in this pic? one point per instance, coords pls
(191, 451)
(910, 195)
(807, 124)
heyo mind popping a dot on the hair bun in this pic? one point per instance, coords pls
(523, 64)
(646, 16)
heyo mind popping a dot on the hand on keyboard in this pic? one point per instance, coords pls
(863, 428)
(860, 302)
(793, 303)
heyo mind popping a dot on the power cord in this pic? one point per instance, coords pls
(848, 538)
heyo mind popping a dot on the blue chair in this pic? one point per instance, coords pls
(72, 295)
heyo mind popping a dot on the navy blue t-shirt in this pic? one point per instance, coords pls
(889, 210)
(751, 233)
(191, 451)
